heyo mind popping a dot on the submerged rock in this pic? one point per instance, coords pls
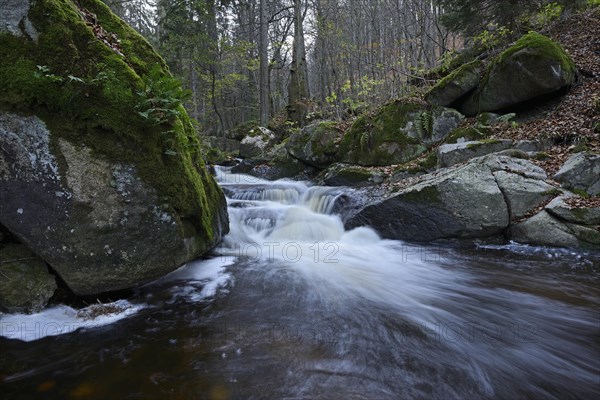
(109, 192)
(25, 283)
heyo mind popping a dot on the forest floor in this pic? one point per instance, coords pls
(574, 119)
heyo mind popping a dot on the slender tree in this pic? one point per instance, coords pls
(298, 87)
(264, 64)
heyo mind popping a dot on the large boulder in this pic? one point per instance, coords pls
(456, 85)
(25, 283)
(256, 143)
(474, 200)
(398, 132)
(581, 172)
(459, 202)
(315, 144)
(534, 66)
(96, 180)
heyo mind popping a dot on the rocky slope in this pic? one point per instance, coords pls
(435, 174)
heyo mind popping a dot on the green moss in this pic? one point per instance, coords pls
(323, 141)
(430, 161)
(98, 109)
(249, 128)
(354, 174)
(476, 145)
(468, 133)
(581, 193)
(552, 192)
(541, 156)
(588, 235)
(457, 75)
(580, 213)
(544, 45)
(427, 195)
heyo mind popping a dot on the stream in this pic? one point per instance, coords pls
(293, 306)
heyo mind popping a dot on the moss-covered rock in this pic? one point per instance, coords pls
(25, 283)
(534, 66)
(398, 132)
(348, 175)
(74, 96)
(456, 85)
(315, 144)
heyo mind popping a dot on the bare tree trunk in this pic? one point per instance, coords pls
(298, 87)
(264, 65)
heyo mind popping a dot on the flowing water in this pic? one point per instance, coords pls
(292, 306)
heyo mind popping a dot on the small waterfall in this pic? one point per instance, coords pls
(293, 224)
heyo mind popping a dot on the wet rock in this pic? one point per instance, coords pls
(545, 230)
(25, 283)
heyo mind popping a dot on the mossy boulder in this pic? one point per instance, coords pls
(456, 85)
(398, 132)
(25, 283)
(533, 67)
(348, 175)
(98, 179)
(315, 144)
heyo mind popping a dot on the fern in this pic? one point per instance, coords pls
(424, 123)
(365, 138)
